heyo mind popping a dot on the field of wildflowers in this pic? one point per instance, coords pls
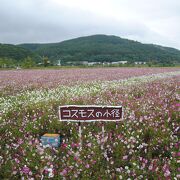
(17, 81)
(145, 145)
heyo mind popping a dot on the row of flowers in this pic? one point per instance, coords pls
(30, 98)
(15, 81)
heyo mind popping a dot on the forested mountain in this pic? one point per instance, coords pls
(15, 52)
(12, 54)
(96, 48)
(104, 48)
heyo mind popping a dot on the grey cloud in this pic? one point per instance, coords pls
(44, 21)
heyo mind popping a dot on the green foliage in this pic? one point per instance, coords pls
(96, 48)
(46, 61)
(6, 62)
(101, 48)
(11, 55)
(28, 63)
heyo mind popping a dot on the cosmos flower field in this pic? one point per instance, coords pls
(145, 145)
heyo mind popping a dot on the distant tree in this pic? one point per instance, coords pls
(28, 62)
(46, 61)
(6, 63)
(1, 62)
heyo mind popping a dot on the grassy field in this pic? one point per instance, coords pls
(145, 145)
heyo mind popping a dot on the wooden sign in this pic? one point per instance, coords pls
(90, 113)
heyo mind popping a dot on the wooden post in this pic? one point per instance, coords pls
(102, 146)
(80, 135)
(116, 125)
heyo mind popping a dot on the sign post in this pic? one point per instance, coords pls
(116, 125)
(74, 113)
(80, 135)
(103, 140)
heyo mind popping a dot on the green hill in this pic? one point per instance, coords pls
(104, 48)
(96, 48)
(16, 54)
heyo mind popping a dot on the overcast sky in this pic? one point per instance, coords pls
(147, 21)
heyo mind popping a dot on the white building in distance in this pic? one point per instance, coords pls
(139, 62)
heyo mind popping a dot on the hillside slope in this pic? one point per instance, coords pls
(105, 48)
(16, 53)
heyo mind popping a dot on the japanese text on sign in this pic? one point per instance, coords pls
(90, 113)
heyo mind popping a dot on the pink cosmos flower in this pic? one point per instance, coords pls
(25, 170)
(177, 145)
(63, 173)
(87, 166)
(46, 171)
(17, 160)
(167, 173)
(150, 167)
(89, 145)
(20, 141)
(125, 157)
(76, 158)
(64, 145)
(93, 162)
(73, 145)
